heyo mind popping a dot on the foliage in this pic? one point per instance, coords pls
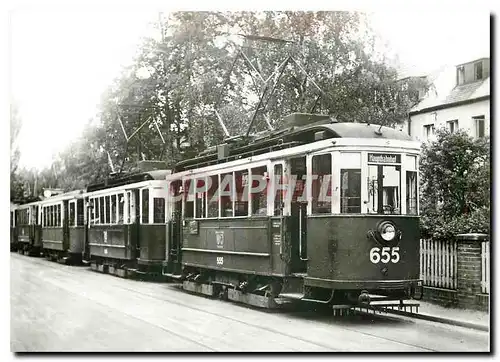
(193, 68)
(455, 185)
(16, 185)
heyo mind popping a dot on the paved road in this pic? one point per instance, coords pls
(62, 308)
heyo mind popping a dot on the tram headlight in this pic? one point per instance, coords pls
(387, 230)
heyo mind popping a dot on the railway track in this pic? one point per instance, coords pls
(260, 321)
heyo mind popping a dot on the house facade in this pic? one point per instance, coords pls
(457, 98)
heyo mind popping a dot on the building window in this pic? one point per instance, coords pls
(479, 126)
(428, 131)
(453, 126)
(460, 75)
(478, 71)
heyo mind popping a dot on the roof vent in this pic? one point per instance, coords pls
(304, 119)
(150, 165)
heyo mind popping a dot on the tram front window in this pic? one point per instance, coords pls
(384, 189)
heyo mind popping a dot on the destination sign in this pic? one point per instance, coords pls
(383, 158)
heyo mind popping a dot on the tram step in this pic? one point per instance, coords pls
(173, 276)
(291, 295)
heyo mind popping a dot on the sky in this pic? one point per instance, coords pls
(62, 61)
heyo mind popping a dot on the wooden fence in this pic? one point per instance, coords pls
(438, 263)
(485, 267)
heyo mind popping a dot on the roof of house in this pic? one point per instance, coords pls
(445, 92)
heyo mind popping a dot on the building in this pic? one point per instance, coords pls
(457, 98)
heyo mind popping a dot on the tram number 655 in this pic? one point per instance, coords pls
(384, 255)
(220, 260)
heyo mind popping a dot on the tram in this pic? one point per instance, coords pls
(316, 211)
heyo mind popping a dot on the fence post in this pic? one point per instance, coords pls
(469, 268)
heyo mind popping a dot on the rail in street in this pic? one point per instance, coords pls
(63, 308)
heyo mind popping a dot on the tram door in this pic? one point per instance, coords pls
(298, 215)
(175, 228)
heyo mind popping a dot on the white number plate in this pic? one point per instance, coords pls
(384, 255)
(220, 260)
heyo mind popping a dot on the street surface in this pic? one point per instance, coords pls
(63, 308)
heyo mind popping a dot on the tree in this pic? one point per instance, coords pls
(16, 186)
(193, 72)
(455, 185)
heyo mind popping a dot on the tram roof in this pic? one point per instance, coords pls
(291, 137)
(129, 179)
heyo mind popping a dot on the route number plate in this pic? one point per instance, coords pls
(384, 255)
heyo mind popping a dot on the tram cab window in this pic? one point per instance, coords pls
(213, 197)
(322, 184)
(259, 188)
(226, 197)
(145, 206)
(59, 218)
(241, 193)
(384, 189)
(350, 187)
(411, 192)
(278, 192)
(158, 210)
(79, 213)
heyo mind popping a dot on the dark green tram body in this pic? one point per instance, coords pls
(13, 229)
(299, 250)
(63, 229)
(340, 262)
(129, 236)
(28, 230)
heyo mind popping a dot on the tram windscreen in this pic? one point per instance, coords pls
(384, 189)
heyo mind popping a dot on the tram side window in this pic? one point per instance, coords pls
(200, 198)
(278, 192)
(145, 206)
(350, 186)
(241, 202)
(411, 192)
(213, 197)
(322, 184)
(189, 198)
(113, 209)
(158, 210)
(92, 211)
(79, 213)
(226, 197)
(259, 191)
(58, 223)
(107, 210)
(102, 211)
(121, 203)
(72, 213)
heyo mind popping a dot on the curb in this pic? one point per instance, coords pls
(454, 322)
